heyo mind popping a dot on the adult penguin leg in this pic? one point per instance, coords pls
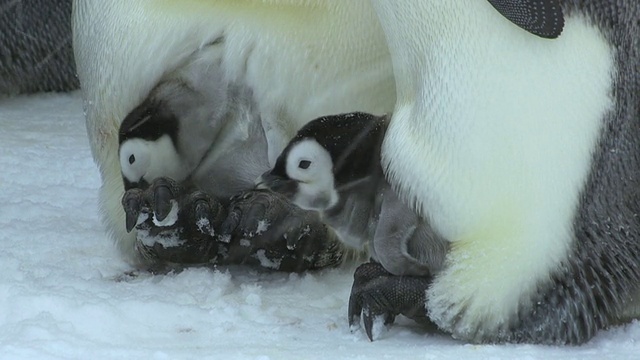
(376, 293)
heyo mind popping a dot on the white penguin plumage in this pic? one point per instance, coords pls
(332, 165)
(523, 152)
(125, 48)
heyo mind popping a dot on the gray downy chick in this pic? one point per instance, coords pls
(332, 166)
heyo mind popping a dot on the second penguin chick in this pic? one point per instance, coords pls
(332, 165)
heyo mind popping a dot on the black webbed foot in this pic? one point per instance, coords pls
(180, 225)
(175, 224)
(378, 294)
(262, 214)
(266, 229)
(154, 203)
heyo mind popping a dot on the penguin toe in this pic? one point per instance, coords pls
(265, 226)
(202, 214)
(164, 194)
(206, 212)
(252, 214)
(132, 203)
(378, 296)
(162, 202)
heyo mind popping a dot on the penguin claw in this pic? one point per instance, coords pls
(232, 222)
(378, 294)
(132, 211)
(162, 202)
(294, 233)
(254, 216)
(367, 320)
(132, 203)
(132, 219)
(202, 214)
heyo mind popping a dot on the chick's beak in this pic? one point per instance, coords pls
(140, 184)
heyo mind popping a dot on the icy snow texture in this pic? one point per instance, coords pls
(59, 298)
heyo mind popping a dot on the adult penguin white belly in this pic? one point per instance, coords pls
(524, 153)
(301, 59)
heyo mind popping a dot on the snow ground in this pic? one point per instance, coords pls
(59, 298)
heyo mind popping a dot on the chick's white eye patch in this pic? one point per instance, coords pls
(308, 160)
(134, 159)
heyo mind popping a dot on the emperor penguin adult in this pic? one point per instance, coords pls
(521, 146)
(300, 59)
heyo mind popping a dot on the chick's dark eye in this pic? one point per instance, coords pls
(304, 164)
(132, 159)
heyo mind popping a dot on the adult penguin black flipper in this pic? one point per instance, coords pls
(539, 17)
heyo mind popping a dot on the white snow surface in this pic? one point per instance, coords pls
(63, 294)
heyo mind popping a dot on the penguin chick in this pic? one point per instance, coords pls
(148, 145)
(333, 166)
(193, 122)
(170, 133)
(190, 123)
